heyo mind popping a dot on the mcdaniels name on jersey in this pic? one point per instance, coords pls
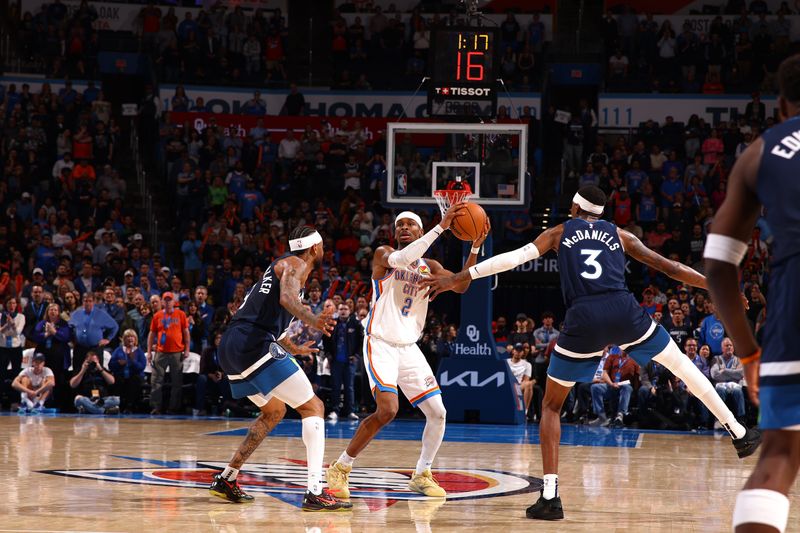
(593, 234)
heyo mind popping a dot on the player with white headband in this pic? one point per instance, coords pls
(258, 357)
(391, 355)
(601, 311)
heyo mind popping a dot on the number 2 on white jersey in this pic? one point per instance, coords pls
(591, 261)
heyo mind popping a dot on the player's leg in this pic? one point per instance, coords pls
(296, 391)
(548, 506)
(338, 472)
(423, 481)
(416, 380)
(225, 485)
(763, 506)
(661, 348)
(382, 363)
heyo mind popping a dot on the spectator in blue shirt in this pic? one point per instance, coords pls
(254, 106)
(249, 200)
(635, 178)
(343, 346)
(127, 364)
(518, 224)
(670, 188)
(187, 26)
(190, 248)
(712, 332)
(45, 255)
(110, 306)
(205, 310)
(92, 329)
(695, 407)
(647, 210)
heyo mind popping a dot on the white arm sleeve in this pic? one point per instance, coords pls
(503, 262)
(415, 250)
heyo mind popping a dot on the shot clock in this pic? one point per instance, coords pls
(463, 72)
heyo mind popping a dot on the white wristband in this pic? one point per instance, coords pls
(725, 249)
(475, 250)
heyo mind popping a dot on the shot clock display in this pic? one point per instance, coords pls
(463, 72)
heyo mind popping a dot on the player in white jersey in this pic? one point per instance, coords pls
(391, 355)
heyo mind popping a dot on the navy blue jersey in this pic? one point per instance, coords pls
(779, 187)
(257, 324)
(262, 309)
(590, 259)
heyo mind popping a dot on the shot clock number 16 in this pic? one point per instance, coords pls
(471, 54)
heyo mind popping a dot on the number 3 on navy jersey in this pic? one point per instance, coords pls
(406, 307)
(591, 261)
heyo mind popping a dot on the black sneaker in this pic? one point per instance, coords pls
(324, 502)
(748, 444)
(545, 509)
(227, 490)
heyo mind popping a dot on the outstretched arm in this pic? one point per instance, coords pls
(732, 228)
(461, 288)
(678, 271)
(545, 242)
(293, 273)
(386, 257)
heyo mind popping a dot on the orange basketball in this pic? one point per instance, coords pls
(469, 225)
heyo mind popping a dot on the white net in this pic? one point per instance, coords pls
(446, 198)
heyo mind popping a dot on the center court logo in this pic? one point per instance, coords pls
(289, 478)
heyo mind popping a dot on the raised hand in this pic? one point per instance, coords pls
(456, 210)
(325, 322)
(487, 227)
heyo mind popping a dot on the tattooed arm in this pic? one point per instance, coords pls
(293, 272)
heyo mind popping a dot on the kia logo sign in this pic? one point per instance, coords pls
(470, 378)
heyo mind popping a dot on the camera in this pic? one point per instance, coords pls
(91, 366)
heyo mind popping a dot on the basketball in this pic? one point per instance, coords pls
(469, 225)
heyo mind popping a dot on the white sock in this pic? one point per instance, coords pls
(680, 365)
(550, 486)
(314, 439)
(718, 408)
(433, 434)
(229, 474)
(345, 459)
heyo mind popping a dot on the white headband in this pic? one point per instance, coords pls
(586, 205)
(305, 242)
(409, 214)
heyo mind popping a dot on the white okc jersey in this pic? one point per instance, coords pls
(399, 307)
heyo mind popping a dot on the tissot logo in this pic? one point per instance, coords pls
(286, 480)
(463, 91)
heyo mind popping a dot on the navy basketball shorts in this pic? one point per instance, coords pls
(780, 362)
(594, 322)
(262, 370)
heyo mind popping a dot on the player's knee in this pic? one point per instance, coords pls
(386, 413)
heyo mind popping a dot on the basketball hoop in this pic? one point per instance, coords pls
(447, 198)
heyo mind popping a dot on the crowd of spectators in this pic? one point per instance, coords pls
(728, 55)
(80, 286)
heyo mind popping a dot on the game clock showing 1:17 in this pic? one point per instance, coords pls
(464, 56)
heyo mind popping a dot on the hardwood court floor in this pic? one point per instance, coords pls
(143, 474)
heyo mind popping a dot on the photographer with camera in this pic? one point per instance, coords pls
(93, 382)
